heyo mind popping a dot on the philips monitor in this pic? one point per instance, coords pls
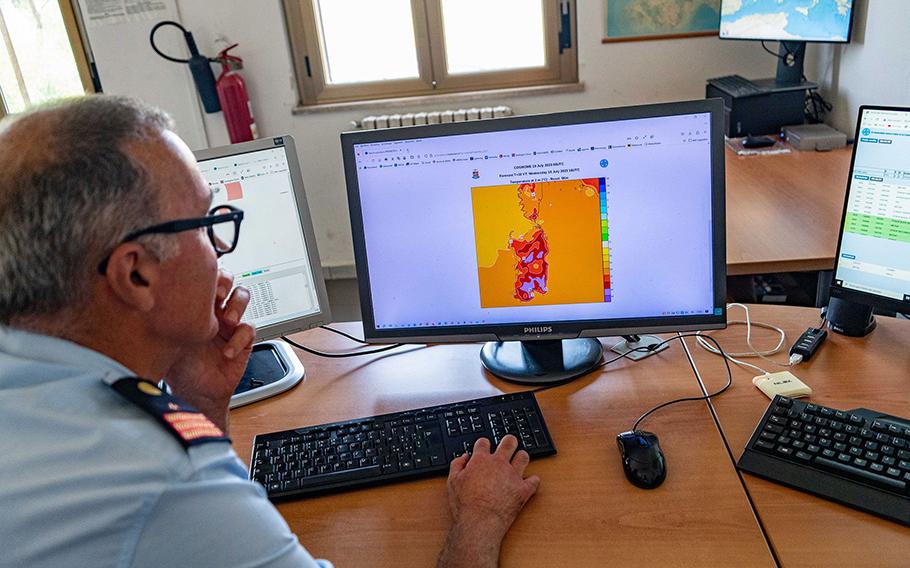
(791, 22)
(872, 266)
(276, 257)
(540, 233)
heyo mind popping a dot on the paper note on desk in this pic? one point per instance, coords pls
(736, 144)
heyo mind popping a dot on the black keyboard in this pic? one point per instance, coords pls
(736, 85)
(860, 458)
(392, 447)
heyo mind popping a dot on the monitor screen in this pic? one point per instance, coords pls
(873, 256)
(786, 20)
(276, 257)
(572, 224)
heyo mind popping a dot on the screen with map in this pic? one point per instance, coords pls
(522, 230)
(601, 220)
(786, 20)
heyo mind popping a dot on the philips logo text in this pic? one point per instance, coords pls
(539, 329)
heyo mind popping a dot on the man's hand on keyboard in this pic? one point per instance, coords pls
(486, 493)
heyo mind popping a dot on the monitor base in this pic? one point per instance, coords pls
(541, 362)
(849, 318)
(630, 344)
(272, 369)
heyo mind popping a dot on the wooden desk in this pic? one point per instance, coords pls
(784, 211)
(585, 513)
(846, 373)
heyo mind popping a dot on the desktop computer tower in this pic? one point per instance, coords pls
(763, 112)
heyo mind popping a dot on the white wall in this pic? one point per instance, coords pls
(128, 66)
(874, 68)
(613, 74)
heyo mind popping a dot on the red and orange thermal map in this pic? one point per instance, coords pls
(542, 243)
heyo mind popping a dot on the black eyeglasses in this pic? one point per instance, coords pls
(222, 224)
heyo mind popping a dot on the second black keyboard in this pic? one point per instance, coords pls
(392, 447)
(859, 457)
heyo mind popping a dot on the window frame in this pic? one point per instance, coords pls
(561, 65)
(77, 44)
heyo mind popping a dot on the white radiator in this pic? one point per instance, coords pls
(373, 122)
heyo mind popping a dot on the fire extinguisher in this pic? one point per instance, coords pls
(235, 102)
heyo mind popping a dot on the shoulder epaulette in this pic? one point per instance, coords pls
(190, 426)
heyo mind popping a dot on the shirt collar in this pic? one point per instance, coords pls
(54, 350)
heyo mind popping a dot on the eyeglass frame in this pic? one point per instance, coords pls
(171, 227)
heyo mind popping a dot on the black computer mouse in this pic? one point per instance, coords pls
(642, 459)
(757, 142)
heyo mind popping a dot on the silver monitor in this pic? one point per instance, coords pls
(276, 256)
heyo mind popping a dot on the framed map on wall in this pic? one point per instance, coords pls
(632, 20)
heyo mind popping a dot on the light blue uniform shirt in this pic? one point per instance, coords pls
(89, 479)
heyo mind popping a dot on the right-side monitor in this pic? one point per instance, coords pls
(787, 20)
(580, 224)
(873, 254)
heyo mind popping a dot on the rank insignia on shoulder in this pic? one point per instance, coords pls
(190, 426)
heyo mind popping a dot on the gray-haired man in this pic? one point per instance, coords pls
(98, 289)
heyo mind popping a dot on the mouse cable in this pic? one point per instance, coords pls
(626, 355)
(655, 346)
(340, 355)
(733, 357)
(680, 337)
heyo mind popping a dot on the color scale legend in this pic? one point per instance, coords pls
(605, 239)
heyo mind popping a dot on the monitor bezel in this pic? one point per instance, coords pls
(849, 31)
(849, 294)
(324, 315)
(552, 330)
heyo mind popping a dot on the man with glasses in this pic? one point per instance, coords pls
(109, 282)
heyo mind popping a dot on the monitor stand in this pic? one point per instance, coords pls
(790, 63)
(849, 318)
(272, 369)
(541, 362)
(631, 346)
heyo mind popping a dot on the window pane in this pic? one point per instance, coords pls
(481, 35)
(367, 40)
(41, 53)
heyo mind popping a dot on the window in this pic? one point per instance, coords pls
(349, 50)
(41, 54)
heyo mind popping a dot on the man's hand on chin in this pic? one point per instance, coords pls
(207, 374)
